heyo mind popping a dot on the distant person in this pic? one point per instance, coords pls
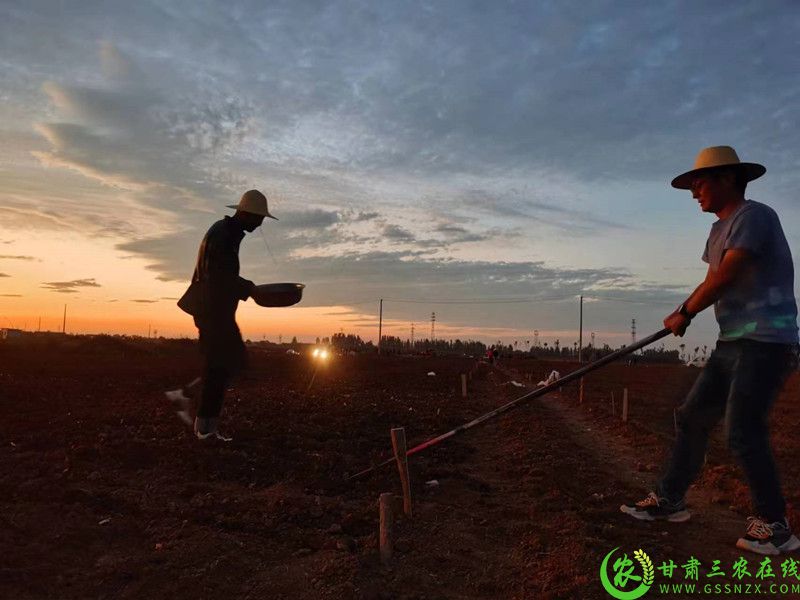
(750, 282)
(212, 299)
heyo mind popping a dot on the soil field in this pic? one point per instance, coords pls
(105, 494)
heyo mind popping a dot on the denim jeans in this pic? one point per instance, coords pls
(741, 382)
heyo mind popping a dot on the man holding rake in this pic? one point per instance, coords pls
(750, 282)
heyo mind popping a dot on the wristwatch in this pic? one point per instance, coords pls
(682, 310)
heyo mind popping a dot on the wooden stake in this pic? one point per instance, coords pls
(625, 405)
(580, 393)
(399, 447)
(463, 385)
(386, 522)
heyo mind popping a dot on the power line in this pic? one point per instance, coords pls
(528, 300)
(500, 300)
(482, 301)
(611, 298)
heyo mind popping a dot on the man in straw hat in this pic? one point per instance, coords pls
(750, 282)
(212, 300)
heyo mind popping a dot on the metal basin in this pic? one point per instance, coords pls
(278, 294)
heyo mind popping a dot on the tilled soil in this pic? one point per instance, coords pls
(105, 494)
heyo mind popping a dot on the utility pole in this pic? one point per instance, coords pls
(633, 331)
(433, 326)
(535, 338)
(580, 334)
(412, 336)
(40, 324)
(380, 325)
(64, 322)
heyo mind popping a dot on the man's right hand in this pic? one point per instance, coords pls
(677, 323)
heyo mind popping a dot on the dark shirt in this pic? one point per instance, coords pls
(217, 273)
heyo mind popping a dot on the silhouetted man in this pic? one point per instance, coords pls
(750, 282)
(212, 300)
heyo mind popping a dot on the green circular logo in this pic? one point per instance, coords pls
(624, 574)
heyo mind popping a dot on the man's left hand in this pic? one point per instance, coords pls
(677, 323)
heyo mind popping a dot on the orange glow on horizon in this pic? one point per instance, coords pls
(165, 319)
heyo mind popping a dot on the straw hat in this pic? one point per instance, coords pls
(254, 202)
(718, 156)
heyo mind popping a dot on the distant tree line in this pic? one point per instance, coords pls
(349, 342)
(395, 345)
(590, 353)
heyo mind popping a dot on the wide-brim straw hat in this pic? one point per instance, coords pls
(254, 202)
(717, 156)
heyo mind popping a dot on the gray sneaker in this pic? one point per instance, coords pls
(768, 538)
(205, 428)
(654, 508)
(212, 435)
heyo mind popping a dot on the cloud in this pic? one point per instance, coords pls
(126, 133)
(437, 132)
(365, 216)
(397, 233)
(12, 257)
(4, 275)
(143, 301)
(309, 219)
(404, 274)
(455, 234)
(599, 92)
(161, 151)
(69, 287)
(11, 295)
(449, 229)
(520, 206)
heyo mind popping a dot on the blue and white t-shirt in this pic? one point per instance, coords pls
(760, 305)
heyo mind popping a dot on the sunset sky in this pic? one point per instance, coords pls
(424, 151)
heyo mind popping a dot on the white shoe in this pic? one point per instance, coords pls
(176, 395)
(212, 435)
(182, 403)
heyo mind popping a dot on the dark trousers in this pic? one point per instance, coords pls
(741, 382)
(224, 356)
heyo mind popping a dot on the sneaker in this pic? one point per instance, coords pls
(176, 395)
(654, 508)
(182, 403)
(768, 538)
(212, 435)
(205, 428)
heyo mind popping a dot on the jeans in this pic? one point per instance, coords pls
(741, 382)
(224, 356)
